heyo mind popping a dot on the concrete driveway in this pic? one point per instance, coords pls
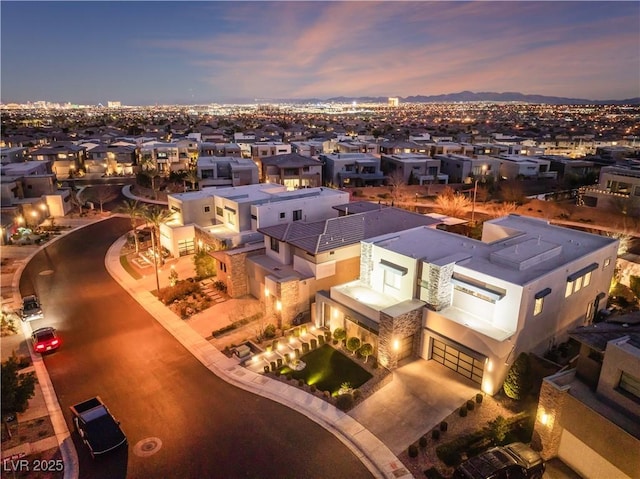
(421, 395)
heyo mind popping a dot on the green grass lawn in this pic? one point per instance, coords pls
(328, 369)
(128, 268)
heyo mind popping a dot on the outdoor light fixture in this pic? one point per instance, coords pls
(266, 292)
(279, 305)
(544, 418)
(396, 344)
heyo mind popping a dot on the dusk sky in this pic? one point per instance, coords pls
(143, 53)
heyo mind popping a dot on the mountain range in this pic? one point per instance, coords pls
(469, 96)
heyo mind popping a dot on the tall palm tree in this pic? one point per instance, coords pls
(192, 177)
(152, 174)
(134, 210)
(156, 215)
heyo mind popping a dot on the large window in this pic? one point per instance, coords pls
(297, 215)
(579, 280)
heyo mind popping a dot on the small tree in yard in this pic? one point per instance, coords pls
(17, 388)
(204, 264)
(499, 429)
(339, 334)
(366, 350)
(353, 344)
(518, 381)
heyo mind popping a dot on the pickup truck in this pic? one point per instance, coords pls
(97, 427)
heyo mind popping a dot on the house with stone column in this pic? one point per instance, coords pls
(472, 305)
(589, 416)
(231, 216)
(301, 257)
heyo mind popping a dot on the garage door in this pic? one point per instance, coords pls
(457, 360)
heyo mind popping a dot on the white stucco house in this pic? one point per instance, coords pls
(472, 305)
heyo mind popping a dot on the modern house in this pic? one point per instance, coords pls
(514, 167)
(472, 305)
(226, 171)
(301, 257)
(66, 159)
(413, 168)
(16, 154)
(231, 216)
(618, 187)
(461, 168)
(291, 170)
(351, 169)
(219, 149)
(589, 416)
(111, 159)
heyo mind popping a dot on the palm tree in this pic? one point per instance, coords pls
(192, 177)
(152, 174)
(134, 210)
(156, 216)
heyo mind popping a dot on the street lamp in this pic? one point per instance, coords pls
(475, 193)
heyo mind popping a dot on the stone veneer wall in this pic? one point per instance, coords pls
(288, 292)
(366, 252)
(550, 405)
(398, 327)
(237, 278)
(439, 286)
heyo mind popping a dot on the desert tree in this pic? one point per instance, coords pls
(452, 203)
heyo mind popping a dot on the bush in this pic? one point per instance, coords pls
(266, 369)
(413, 451)
(499, 428)
(435, 434)
(479, 398)
(345, 402)
(444, 426)
(312, 388)
(449, 454)
(471, 405)
(339, 334)
(327, 394)
(182, 289)
(353, 344)
(356, 394)
(269, 331)
(422, 441)
(432, 473)
(220, 286)
(278, 373)
(301, 382)
(518, 381)
(289, 377)
(463, 411)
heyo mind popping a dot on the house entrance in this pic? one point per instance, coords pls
(457, 360)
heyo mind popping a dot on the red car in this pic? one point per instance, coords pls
(45, 339)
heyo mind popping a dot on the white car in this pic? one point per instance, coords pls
(31, 308)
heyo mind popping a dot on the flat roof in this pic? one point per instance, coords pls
(532, 248)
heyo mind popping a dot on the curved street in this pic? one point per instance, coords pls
(181, 420)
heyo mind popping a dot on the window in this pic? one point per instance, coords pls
(222, 266)
(219, 211)
(275, 245)
(607, 262)
(231, 218)
(580, 279)
(630, 386)
(297, 215)
(207, 209)
(392, 279)
(539, 301)
(283, 215)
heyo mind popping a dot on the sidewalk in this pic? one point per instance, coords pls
(375, 455)
(43, 407)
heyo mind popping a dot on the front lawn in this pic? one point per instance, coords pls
(328, 369)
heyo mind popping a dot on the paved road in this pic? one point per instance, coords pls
(114, 348)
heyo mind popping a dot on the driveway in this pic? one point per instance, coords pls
(421, 395)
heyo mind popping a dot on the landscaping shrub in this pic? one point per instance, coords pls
(220, 286)
(278, 373)
(266, 369)
(301, 382)
(339, 334)
(422, 441)
(327, 394)
(444, 426)
(413, 451)
(463, 411)
(435, 434)
(269, 331)
(479, 398)
(353, 344)
(182, 289)
(471, 405)
(366, 350)
(312, 388)
(356, 393)
(518, 380)
(289, 376)
(499, 428)
(345, 402)
(449, 454)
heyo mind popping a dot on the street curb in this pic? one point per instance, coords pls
(343, 427)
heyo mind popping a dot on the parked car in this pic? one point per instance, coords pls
(31, 308)
(45, 340)
(97, 427)
(514, 461)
